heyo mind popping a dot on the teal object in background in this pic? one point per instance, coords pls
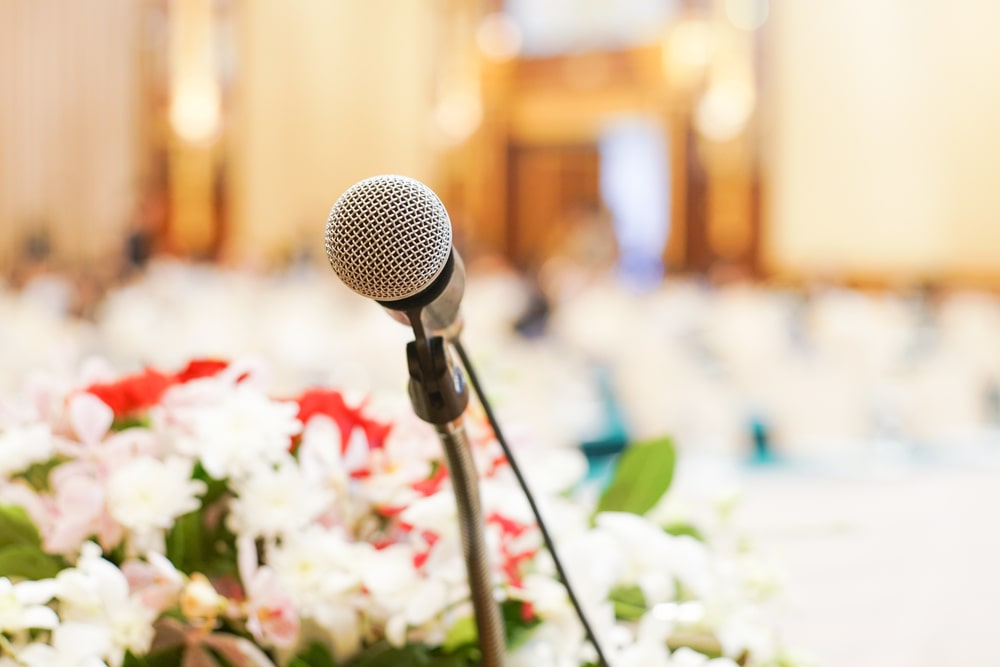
(613, 438)
(761, 438)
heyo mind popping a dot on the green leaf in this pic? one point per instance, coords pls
(17, 528)
(29, 562)
(132, 660)
(681, 528)
(629, 601)
(167, 658)
(133, 421)
(192, 546)
(461, 634)
(384, 655)
(216, 487)
(468, 657)
(697, 640)
(37, 474)
(195, 544)
(517, 627)
(642, 475)
(316, 655)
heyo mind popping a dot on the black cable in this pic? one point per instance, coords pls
(549, 544)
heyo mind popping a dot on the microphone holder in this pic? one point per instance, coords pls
(439, 396)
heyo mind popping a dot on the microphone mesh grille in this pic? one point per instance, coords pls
(388, 237)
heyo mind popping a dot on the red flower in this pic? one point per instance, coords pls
(511, 566)
(509, 527)
(431, 485)
(376, 432)
(420, 557)
(201, 368)
(331, 404)
(133, 392)
(510, 561)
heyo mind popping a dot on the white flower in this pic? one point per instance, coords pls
(319, 453)
(147, 494)
(551, 645)
(96, 592)
(21, 446)
(746, 628)
(276, 501)
(239, 431)
(72, 645)
(653, 558)
(685, 657)
(436, 513)
(407, 600)
(315, 565)
(595, 564)
(644, 654)
(321, 571)
(22, 606)
(547, 595)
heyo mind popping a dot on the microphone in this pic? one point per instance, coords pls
(389, 238)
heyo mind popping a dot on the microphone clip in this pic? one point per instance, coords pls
(437, 388)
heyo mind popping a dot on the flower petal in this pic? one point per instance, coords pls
(91, 418)
(238, 651)
(197, 656)
(35, 592)
(39, 617)
(81, 640)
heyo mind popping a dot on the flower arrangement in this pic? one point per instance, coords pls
(190, 518)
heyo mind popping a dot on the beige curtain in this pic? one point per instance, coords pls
(329, 93)
(68, 126)
(884, 139)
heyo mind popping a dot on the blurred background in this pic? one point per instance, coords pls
(768, 229)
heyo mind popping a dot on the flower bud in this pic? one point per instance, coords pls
(199, 599)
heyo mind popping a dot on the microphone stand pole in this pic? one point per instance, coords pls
(439, 396)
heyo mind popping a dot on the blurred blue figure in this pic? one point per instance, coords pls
(635, 181)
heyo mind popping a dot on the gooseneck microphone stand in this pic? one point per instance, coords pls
(439, 396)
(602, 661)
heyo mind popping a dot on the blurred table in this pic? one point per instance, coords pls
(891, 560)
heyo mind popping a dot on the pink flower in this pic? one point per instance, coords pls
(271, 617)
(155, 582)
(90, 418)
(77, 510)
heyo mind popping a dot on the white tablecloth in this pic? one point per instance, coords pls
(891, 561)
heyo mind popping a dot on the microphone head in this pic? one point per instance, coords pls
(388, 237)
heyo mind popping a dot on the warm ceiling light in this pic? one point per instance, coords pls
(498, 37)
(747, 14)
(725, 109)
(457, 115)
(691, 43)
(195, 114)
